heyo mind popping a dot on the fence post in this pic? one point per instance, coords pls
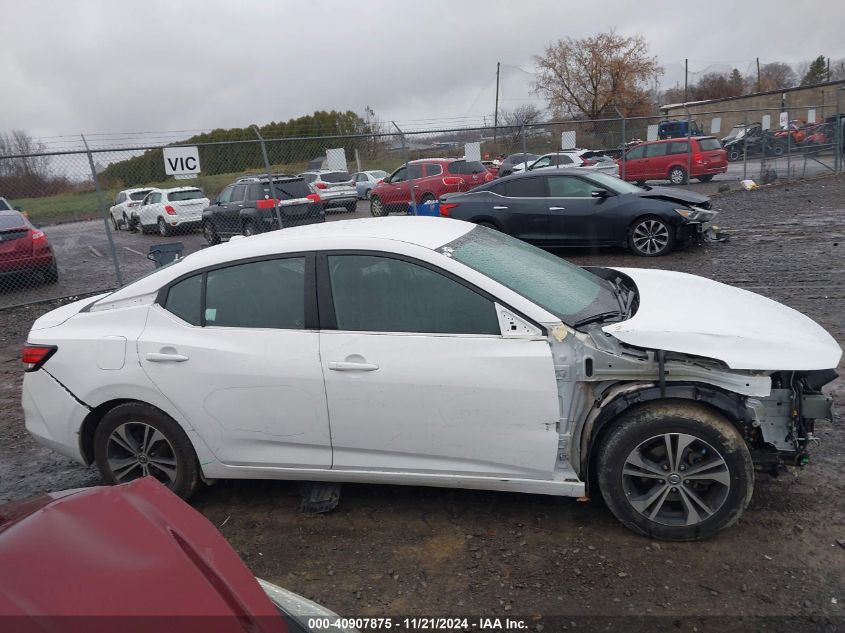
(745, 148)
(624, 136)
(788, 151)
(524, 140)
(269, 176)
(105, 213)
(838, 153)
(689, 145)
(412, 201)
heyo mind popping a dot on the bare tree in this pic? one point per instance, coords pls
(837, 69)
(514, 121)
(24, 170)
(777, 76)
(591, 75)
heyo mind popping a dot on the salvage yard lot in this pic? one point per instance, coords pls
(392, 551)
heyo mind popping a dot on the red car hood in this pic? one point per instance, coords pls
(129, 550)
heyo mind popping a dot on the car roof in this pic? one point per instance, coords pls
(172, 189)
(11, 212)
(435, 160)
(137, 189)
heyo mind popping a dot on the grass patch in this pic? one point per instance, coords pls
(83, 205)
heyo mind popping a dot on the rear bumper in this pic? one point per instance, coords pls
(26, 264)
(53, 416)
(339, 201)
(706, 170)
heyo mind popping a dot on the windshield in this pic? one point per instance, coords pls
(139, 195)
(335, 176)
(378, 173)
(614, 184)
(567, 291)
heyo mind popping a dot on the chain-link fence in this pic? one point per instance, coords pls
(71, 238)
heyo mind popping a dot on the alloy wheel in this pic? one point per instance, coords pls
(651, 237)
(676, 479)
(136, 449)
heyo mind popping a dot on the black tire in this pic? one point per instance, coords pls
(706, 178)
(133, 224)
(640, 183)
(351, 207)
(51, 273)
(633, 445)
(179, 469)
(114, 223)
(209, 231)
(367, 194)
(248, 228)
(734, 154)
(163, 228)
(778, 149)
(678, 176)
(377, 208)
(651, 236)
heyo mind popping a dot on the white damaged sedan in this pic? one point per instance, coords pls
(429, 351)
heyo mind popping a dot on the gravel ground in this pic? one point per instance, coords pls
(404, 550)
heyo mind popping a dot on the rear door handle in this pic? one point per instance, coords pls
(557, 208)
(499, 208)
(157, 357)
(350, 366)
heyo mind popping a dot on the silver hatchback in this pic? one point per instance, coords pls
(335, 188)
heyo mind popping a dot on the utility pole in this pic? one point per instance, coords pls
(496, 112)
(686, 79)
(828, 68)
(758, 75)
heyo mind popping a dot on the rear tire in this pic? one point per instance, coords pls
(209, 231)
(675, 470)
(377, 208)
(248, 228)
(114, 222)
(135, 440)
(163, 228)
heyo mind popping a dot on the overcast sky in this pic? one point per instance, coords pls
(116, 66)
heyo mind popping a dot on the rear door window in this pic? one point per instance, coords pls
(184, 299)
(525, 188)
(433, 169)
(657, 149)
(677, 147)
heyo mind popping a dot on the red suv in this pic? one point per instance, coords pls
(430, 179)
(24, 248)
(671, 160)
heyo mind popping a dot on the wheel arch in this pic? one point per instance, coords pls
(91, 422)
(488, 219)
(725, 403)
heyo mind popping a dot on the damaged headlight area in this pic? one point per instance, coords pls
(696, 214)
(784, 422)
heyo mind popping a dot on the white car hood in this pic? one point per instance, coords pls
(694, 315)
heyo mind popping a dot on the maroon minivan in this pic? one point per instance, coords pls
(430, 179)
(675, 160)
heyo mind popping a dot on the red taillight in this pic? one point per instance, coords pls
(169, 210)
(38, 235)
(313, 197)
(697, 157)
(34, 356)
(587, 162)
(321, 185)
(451, 181)
(133, 204)
(267, 203)
(446, 207)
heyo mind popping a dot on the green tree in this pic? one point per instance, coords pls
(735, 83)
(816, 73)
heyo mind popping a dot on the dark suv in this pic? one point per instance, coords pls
(247, 207)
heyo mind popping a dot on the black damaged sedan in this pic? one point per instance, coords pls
(568, 207)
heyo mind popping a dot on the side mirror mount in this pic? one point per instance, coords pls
(600, 193)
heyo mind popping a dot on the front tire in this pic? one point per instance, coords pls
(678, 176)
(248, 228)
(675, 470)
(210, 233)
(377, 208)
(651, 237)
(136, 440)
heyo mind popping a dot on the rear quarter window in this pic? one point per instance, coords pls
(709, 144)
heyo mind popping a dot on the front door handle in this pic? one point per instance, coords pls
(499, 208)
(350, 366)
(557, 208)
(157, 357)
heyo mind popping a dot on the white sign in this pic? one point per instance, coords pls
(811, 115)
(336, 159)
(766, 122)
(716, 125)
(651, 133)
(567, 140)
(181, 160)
(472, 152)
(783, 120)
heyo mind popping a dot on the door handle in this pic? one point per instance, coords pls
(350, 366)
(557, 208)
(499, 208)
(157, 357)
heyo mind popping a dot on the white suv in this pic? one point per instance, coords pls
(165, 210)
(124, 205)
(335, 188)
